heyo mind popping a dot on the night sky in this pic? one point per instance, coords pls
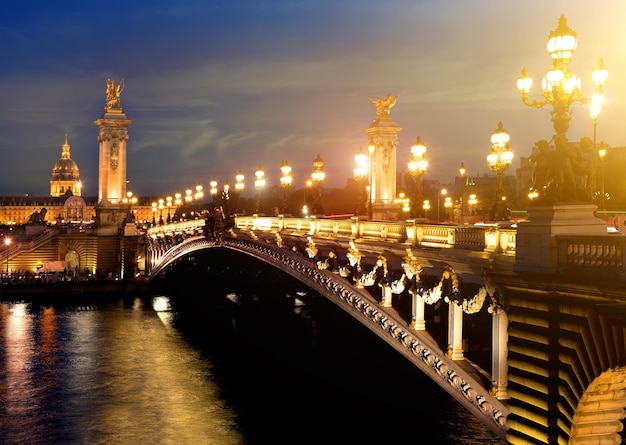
(214, 87)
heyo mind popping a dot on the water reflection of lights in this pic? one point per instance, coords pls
(161, 303)
(162, 306)
(235, 298)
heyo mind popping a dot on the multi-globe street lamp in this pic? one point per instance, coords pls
(7, 241)
(213, 190)
(499, 160)
(361, 172)
(318, 177)
(259, 183)
(154, 209)
(442, 193)
(198, 197)
(285, 183)
(417, 168)
(462, 171)
(371, 147)
(168, 203)
(161, 207)
(472, 201)
(601, 155)
(239, 186)
(177, 202)
(226, 199)
(560, 88)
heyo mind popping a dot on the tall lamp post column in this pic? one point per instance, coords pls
(239, 186)
(213, 191)
(226, 199)
(7, 241)
(168, 202)
(462, 171)
(285, 183)
(371, 148)
(259, 183)
(417, 167)
(602, 154)
(595, 105)
(198, 197)
(360, 174)
(318, 177)
(560, 89)
(499, 160)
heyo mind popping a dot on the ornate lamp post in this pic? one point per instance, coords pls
(198, 197)
(371, 147)
(442, 193)
(226, 198)
(318, 177)
(188, 197)
(602, 154)
(417, 167)
(361, 172)
(462, 171)
(499, 160)
(239, 186)
(7, 241)
(177, 202)
(595, 105)
(285, 183)
(130, 200)
(168, 203)
(305, 207)
(472, 202)
(560, 89)
(154, 209)
(259, 183)
(161, 206)
(426, 206)
(213, 190)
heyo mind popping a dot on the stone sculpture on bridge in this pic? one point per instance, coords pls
(113, 93)
(383, 104)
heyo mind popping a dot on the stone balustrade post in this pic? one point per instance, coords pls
(455, 331)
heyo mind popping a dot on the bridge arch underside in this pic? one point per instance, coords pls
(566, 363)
(418, 348)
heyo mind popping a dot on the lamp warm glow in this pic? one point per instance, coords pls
(560, 88)
(417, 168)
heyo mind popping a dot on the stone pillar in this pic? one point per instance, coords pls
(386, 296)
(500, 350)
(110, 210)
(417, 307)
(455, 331)
(536, 243)
(383, 136)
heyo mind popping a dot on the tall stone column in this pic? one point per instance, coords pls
(113, 126)
(455, 331)
(500, 350)
(383, 136)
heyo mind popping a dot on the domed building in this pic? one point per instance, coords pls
(65, 174)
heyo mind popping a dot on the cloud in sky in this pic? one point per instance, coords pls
(222, 86)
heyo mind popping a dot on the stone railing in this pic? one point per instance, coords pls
(600, 256)
(493, 238)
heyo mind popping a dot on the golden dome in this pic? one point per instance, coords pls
(65, 174)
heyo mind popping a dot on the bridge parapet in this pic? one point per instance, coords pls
(598, 255)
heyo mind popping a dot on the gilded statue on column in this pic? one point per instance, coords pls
(113, 91)
(383, 104)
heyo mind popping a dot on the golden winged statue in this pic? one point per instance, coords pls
(113, 91)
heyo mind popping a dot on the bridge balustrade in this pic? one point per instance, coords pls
(599, 255)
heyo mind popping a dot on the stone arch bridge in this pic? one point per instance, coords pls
(557, 372)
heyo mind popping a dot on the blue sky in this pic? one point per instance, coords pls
(214, 87)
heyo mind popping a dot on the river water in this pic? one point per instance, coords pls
(272, 368)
